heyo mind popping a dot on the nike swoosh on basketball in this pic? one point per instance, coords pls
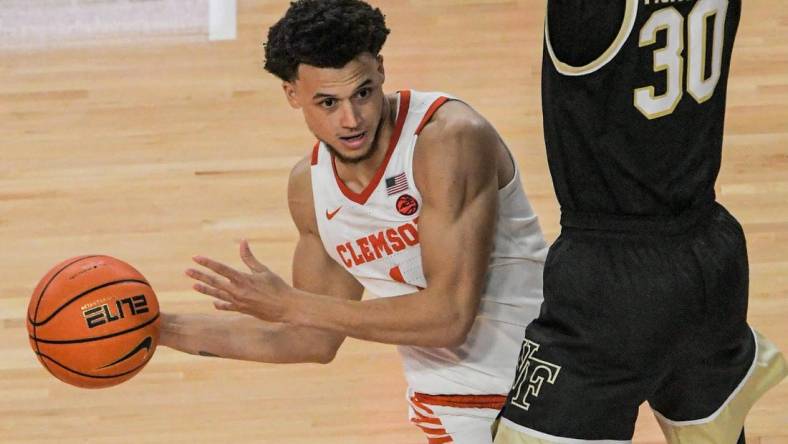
(331, 215)
(145, 344)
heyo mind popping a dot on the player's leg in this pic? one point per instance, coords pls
(722, 421)
(724, 366)
(596, 350)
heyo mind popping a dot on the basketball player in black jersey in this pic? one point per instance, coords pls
(646, 287)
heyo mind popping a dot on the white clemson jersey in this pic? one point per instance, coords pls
(374, 234)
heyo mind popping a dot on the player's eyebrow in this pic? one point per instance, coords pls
(320, 95)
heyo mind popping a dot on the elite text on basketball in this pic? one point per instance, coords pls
(103, 313)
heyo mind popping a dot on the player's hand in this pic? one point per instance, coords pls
(261, 293)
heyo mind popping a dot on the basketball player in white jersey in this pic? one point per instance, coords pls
(412, 196)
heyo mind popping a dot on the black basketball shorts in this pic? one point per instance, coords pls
(630, 317)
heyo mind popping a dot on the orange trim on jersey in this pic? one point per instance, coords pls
(361, 198)
(428, 431)
(315, 150)
(420, 405)
(434, 107)
(426, 420)
(439, 430)
(461, 401)
(421, 416)
(396, 274)
(430, 425)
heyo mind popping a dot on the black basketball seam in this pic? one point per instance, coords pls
(104, 285)
(77, 341)
(145, 344)
(96, 376)
(41, 296)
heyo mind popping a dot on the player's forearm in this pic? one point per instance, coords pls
(413, 319)
(241, 337)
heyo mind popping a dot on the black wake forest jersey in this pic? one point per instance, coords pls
(634, 102)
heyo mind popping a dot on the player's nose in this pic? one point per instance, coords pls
(350, 117)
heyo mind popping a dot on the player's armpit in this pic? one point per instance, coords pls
(313, 270)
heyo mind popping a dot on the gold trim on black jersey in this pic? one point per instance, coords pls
(630, 16)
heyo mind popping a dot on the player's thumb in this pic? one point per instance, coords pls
(249, 259)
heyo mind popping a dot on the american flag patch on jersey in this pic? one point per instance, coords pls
(396, 184)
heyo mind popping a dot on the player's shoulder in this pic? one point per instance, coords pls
(456, 119)
(299, 195)
(455, 148)
(456, 131)
(301, 173)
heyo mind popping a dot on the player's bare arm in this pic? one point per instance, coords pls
(240, 336)
(457, 175)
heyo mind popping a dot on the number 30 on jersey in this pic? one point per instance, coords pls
(670, 59)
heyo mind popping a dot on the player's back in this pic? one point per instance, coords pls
(634, 103)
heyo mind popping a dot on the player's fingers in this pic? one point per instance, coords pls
(213, 292)
(248, 257)
(224, 306)
(228, 272)
(209, 279)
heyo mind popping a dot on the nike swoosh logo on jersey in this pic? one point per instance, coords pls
(331, 215)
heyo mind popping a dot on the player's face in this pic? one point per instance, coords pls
(342, 107)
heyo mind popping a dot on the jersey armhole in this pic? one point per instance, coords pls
(433, 108)
(630, 15)
(430, 111)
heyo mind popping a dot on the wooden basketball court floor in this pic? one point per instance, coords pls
(155, 153)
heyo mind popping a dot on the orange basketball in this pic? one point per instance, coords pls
(93, 321)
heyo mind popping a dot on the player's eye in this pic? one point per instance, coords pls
(328, 103)
(363, 93)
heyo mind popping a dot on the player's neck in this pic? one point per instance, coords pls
(358, 175)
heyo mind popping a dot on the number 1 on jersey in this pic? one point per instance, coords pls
(670, 59)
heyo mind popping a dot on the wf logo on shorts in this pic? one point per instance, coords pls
(531, 375)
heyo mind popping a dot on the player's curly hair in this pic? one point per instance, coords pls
(323, 33)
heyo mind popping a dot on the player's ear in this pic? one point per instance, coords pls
(290, 94)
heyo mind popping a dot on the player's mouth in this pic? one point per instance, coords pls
(354, 141)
